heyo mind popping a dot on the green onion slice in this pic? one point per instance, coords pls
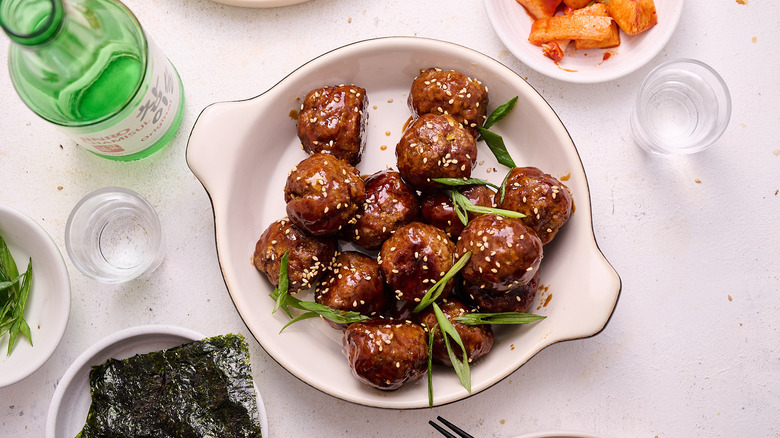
(437, 289)
(462, 202)
(498, 318)
(461, 366)
(457, 182)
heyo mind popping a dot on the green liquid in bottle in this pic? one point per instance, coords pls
(109, 89)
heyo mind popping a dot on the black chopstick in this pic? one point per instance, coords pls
(460, 433)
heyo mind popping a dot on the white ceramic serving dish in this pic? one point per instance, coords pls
(242, 152)
(259, 3)
(71, 401)
(512, 24)
(48, 305)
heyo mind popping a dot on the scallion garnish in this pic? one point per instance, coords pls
(496, 144)
(493, 140)
(461, 366)
(14, 292)
(457, 182)
(281, 290)
(498, 318)
(499, 113)
(502, 189)
(437, 289)
(462, 204)
(286, 301)
(431, 335)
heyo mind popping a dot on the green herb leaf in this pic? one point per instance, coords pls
(337, 316)
(499, 113)
(456, 182)
(5, 326)
(460, 211)
(24, 329)
(300, 317)
(463, 202)
(24, 293)
(431, 335)
(6, 311)
(7, 264)
(502, 189)
(493, 140)
(437, 289)
(13, 332)
(461, 366)
(15, 292)
(497, 146)
(286, 301)
(281, 290)
(316, 309)
(498, 318)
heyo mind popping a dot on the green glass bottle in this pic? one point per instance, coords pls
(87, 66)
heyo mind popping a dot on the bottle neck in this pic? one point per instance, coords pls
(31, 22)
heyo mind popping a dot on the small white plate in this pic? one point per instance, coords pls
(48, 305)
(243, 151)
(512, 24)
(259, 3)
(71, 401)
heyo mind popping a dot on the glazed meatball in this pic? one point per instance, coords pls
(450, 92)
(386, 354)
(323, 193)
(353, 283)
(545, 201)
(487, 300)
(505, 254)
(437, 210)
(478, 339)
(414, 258)
(333, 120)
(308, 258)
(390, 203)
(435, 146)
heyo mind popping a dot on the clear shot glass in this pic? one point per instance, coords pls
(682, 107)
(114, 235)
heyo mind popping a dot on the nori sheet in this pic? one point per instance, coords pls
(200, 389)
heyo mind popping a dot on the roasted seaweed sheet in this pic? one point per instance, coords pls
(200, 389)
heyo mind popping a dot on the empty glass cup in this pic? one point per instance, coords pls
(682, 107)
(114, 235)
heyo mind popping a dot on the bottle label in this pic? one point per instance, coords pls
(145, 120)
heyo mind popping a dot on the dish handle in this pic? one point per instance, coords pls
(213, 148)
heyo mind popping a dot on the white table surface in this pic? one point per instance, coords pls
(693, 348)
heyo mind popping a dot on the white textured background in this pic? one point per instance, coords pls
(693, 348)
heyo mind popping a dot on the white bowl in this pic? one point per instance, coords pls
(48, 305)
(512, 24)
(242, 152)
(71, 401)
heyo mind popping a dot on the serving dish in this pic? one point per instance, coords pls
(48, 305)
(512, 24)
(242, 152)
(259, 3)
(71, 401)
